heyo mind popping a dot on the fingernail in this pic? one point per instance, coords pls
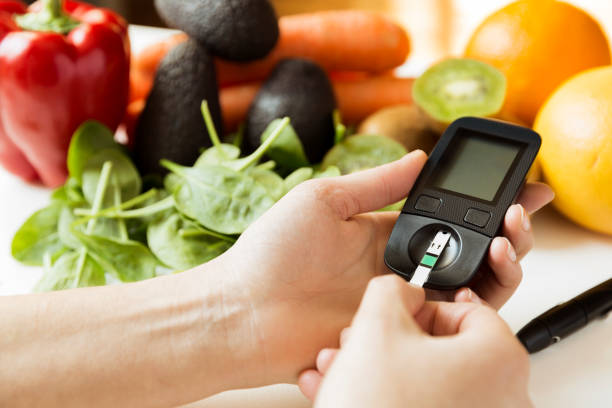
(464, 295)
(526, 224)
(472, 297)
(510, 251)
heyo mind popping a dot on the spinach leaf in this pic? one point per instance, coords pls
(170, 243)
(67, 222)
(269, 165)
(72, 270)
(287, 150)
(340, 129)
(330, 171)
(253, 158)
(272, 182)
(394, 207)
(218, 155)
(172, 182)
(123, 170)
(64, 228)
(298, 177)
(220, 152)
(38, 235)
(129, 261)
(307, 173)
(361, 152)
(60, 194)
(219, 198)
(89, 139)
(70, 193)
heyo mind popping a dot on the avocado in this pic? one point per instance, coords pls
(301, 90)
(237, 30)
(171, 125)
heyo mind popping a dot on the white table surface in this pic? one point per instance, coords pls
(566, 261)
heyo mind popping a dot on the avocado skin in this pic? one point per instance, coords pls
(171, 125)
(237, 30)
(301, 90)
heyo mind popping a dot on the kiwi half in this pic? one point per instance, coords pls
(460, 87)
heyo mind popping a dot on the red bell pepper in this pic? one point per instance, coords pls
(61, 63)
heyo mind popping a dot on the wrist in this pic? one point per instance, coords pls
(227, 333)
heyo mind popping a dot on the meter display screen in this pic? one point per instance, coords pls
(475, 165)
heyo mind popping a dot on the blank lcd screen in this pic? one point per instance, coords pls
(475, 165)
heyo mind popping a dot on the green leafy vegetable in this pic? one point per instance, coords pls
(129, 261)
(330, 171)
(272, 182)
(361, 152)
(255, 157)
(245, 162)
(101, 223)
(340, 128)
(70, 193)
(182, 244)
(72, 270)
(287, 150)
(219, 198)
(38, 236)
(125, 173)
(89, 139)
(218, 155)
(297, 177)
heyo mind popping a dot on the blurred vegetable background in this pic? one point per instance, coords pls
(306, 91)
(433, 25)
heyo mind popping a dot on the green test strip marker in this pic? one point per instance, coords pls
(429, 260)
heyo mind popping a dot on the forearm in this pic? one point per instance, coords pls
(156, 343)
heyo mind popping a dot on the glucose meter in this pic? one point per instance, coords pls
(458, 203)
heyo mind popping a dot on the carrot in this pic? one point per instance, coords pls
(149, 58)
(127, 130)
(235, 103)
(357, 99)
(337, 40)
(140, 85)
(354, 43)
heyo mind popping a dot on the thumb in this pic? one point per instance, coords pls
(466, 319)
(390, 302)
(373, 189)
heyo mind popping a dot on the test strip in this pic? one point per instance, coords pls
(429, 260)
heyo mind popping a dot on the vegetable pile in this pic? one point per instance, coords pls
(100, 227)
(187, 189)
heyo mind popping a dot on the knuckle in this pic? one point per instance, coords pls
(333, 194)
(306, 188)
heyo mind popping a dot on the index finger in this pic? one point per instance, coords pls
(535, 196)
(373, 189)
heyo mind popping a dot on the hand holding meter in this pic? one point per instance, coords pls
(459, 201)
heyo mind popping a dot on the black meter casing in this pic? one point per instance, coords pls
(473, 213)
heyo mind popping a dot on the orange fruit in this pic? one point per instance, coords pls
(576, 154)
(537, 44)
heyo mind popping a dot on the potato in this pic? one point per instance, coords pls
(405, 124)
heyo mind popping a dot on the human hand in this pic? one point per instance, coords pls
(304, 265)
(401, 351)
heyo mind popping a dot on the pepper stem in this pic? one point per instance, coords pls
(52, 7)
(51, 17)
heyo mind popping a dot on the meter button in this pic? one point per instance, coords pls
(477, 217)
(428, 204)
